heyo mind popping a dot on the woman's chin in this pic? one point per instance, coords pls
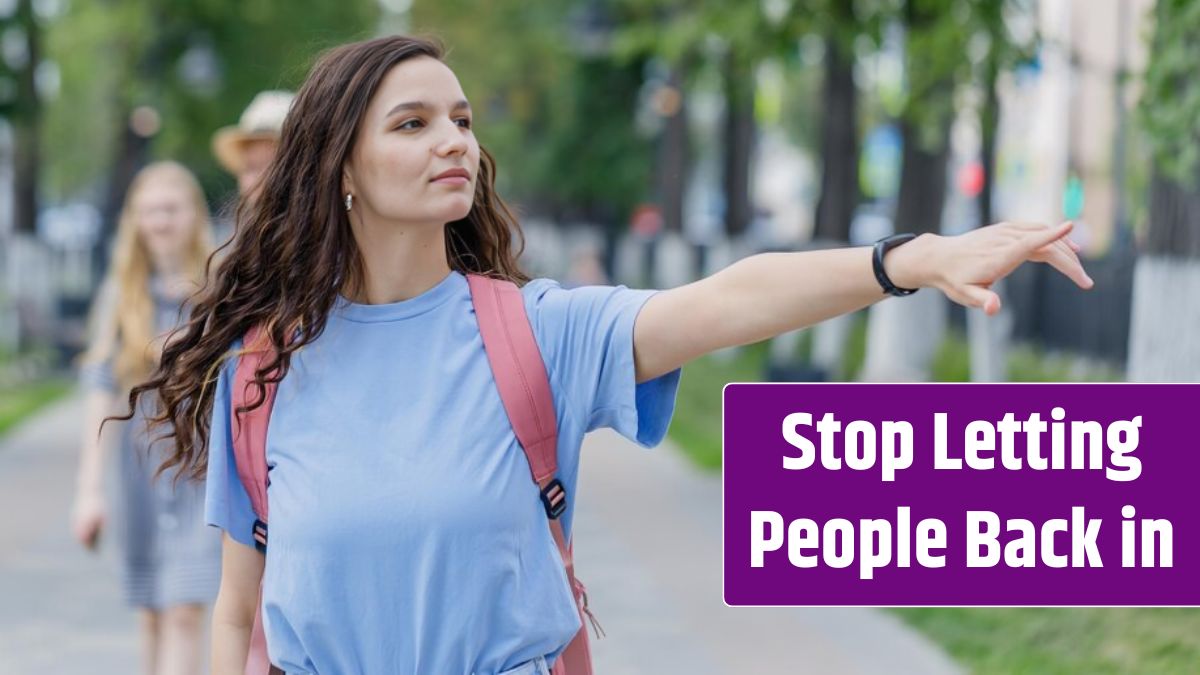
(447, 211)
(457, 211)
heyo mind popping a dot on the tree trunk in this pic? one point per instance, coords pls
(27, 264)
(988, 337)
(839, 194)
(27, 125)
(27, 165)
(1164, 341)
(673, 159)
(739, 143)
(903, 334)
(922, 181)
(989, 120)
(839, 144)
(1174, 218)
(132, 153)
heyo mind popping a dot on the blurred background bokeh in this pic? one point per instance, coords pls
(652, 142)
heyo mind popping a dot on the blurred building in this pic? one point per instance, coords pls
(1067, 115)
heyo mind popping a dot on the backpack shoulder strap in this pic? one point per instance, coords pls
(524, 386)
(250, 428)
(519, 371)
(250, 455)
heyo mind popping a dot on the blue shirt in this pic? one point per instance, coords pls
(407, 534)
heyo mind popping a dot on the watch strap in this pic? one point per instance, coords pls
(881, 248)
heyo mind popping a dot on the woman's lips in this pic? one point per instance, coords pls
(455, 177)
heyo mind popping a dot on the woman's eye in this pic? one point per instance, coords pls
(406, 124)
(466, 122)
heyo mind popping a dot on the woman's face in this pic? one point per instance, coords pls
(165, 217)
(416, 127)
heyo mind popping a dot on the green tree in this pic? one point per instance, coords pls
(839, 139)
(935, 64)
(1004, 51)
(902, 339)
(1170, 114)
(22, 107)
(195, 63)
(736, 37)
(842, 26)
(1165, 331)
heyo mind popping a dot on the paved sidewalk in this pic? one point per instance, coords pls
(60, 607)
(648, 546)
(649, 542)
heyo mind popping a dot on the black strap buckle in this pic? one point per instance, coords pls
(259, 532)
(554, 498)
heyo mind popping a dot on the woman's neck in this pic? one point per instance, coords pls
(167, 266)
(172, 276)
(400, 262)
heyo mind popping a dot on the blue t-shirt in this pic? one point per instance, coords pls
(407, 534)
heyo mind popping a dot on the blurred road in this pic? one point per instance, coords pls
(648, 546)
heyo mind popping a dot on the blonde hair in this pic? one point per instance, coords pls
(122, 321)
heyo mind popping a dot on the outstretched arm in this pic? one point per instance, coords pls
(771, 293)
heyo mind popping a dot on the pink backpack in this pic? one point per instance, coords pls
(520, 376)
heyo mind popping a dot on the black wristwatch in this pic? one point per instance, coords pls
(881, 248)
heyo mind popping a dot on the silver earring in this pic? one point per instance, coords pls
(349, 201)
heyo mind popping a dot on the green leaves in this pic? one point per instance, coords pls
(1170, 106)
(196, 62)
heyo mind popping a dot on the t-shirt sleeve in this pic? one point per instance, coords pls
(586, 335)
(226, 503)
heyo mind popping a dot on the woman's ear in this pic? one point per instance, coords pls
(347, 182)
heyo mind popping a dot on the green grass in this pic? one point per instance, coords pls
(952, 360)
(856, 348)
(19, 402)
(1014, 641)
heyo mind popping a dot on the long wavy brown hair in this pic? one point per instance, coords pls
(294, 251)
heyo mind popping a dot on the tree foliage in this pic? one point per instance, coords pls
(1170, 104)
(198, 63)
(555, 108)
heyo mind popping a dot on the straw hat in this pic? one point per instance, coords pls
(261, 121)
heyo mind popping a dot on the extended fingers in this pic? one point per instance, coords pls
(1052, 246)
(1062, 246)
(1063, 259)
(1042, 235)
(1039, 234)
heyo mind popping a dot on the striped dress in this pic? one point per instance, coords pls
(169, 556)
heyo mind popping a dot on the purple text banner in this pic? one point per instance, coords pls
(962, 494)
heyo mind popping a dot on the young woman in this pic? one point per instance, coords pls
(171, 560)
(406, 534)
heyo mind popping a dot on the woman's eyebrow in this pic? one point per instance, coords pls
(422, 105)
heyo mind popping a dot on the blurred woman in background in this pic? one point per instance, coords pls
(170, 559)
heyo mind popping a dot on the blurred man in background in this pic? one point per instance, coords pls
(246, 150)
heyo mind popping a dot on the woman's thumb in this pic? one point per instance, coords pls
(983, 298)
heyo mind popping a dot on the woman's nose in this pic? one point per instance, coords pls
(452, 142)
